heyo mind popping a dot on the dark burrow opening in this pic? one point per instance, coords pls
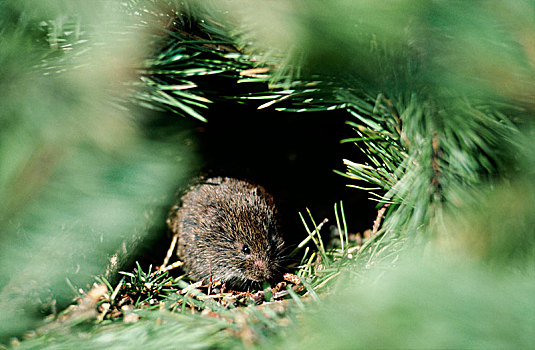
(293, 155)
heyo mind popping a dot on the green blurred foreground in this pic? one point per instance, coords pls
(77, 175)
(454, 265)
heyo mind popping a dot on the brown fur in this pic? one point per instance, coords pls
(228, 230)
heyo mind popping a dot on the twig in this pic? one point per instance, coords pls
(171, 267)
(377, 222)
(169, 253)
(116, 290)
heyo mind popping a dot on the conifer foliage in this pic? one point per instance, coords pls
(439, 97)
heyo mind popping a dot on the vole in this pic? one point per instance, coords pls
(228, 230)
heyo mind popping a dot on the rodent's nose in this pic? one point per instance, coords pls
(262, 269)
(259, 264)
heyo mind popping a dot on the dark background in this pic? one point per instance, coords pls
(291, 154)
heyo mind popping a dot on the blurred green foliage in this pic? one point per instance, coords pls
(155, 330)
(441, 99)
(479, 48)
(78, 177)
(424, 303)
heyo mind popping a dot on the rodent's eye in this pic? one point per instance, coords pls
(245, 249)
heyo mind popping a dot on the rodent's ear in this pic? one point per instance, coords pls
(254, 191)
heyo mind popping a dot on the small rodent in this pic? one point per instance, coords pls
(228, 230)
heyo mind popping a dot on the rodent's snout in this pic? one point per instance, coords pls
(260, 271)
(259, 264)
